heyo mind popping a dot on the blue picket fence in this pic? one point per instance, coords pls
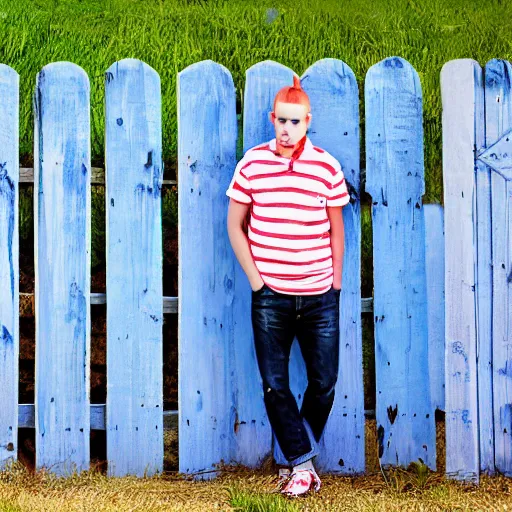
(442, 301)
(477, 126)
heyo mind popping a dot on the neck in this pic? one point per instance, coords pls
(294, 152)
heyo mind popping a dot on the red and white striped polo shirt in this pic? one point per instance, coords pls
(289, 230)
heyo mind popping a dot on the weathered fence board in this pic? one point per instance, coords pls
(9, 267)
(484, 271)
(498, 126)
(208, 288)
(462, 99)
(394, 178)
(133, 151)
(484, 291)
(434, 252)
(62, 267)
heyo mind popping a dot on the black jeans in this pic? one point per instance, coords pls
(276, 320)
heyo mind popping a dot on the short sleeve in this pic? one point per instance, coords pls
(338, 194)
(240, 187)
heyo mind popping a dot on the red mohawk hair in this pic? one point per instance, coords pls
(293, 94)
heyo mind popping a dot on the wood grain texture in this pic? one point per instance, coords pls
(395, 180)
(62, 216)
(9, 266)
(133, 150)
(498, 123)
(434, 252)
(462, 99)
(210, 291)
(484, 280)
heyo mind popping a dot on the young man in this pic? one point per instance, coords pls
(292, 256)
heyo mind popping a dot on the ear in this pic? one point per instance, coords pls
(272, 116)
(308, 119)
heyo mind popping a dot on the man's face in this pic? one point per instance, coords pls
(290, 121)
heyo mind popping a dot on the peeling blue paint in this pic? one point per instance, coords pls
(507, 370)
(6, 336)
(134, 269)
(394, 152)
(62, 309)
(8, 190)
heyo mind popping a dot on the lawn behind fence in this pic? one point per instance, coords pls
(170, 35)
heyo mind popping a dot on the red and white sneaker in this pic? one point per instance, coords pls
(302, 482)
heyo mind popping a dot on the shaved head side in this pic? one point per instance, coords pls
(293, 94)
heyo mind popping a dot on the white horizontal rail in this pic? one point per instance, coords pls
(26, 417)
(97, 176)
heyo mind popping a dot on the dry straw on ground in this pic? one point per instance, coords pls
(244, 490)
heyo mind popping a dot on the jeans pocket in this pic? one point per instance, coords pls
(336, 293)
(260, 291)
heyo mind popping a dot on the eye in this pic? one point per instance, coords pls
(295, 121)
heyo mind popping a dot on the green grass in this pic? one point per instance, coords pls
(242, 500)
(170, 35)
(8, 507)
